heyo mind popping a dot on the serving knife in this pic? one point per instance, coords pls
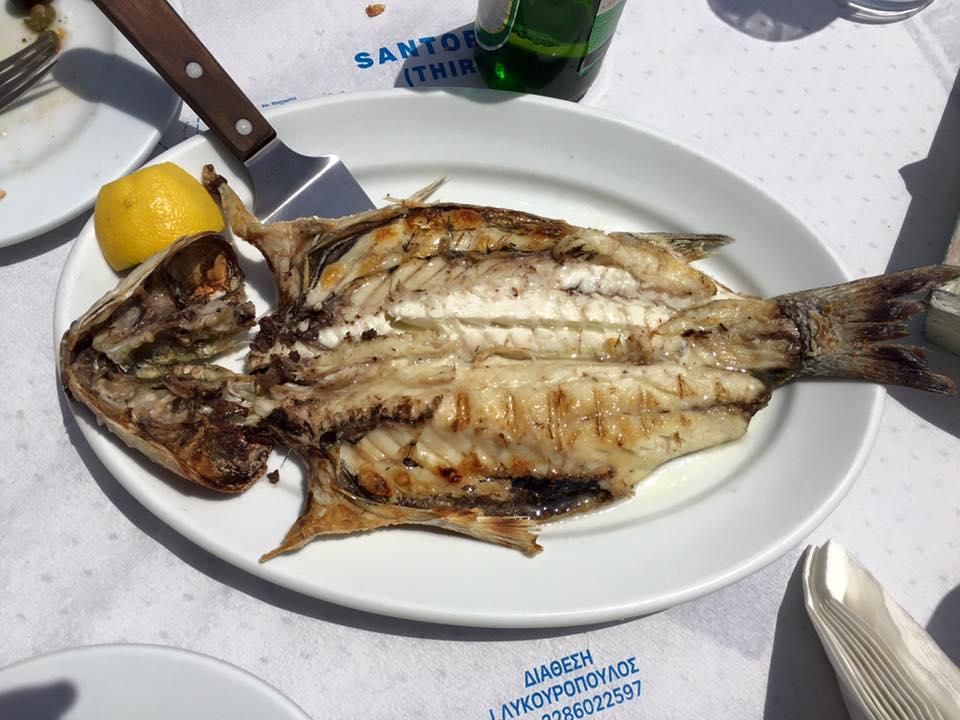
(286, 184)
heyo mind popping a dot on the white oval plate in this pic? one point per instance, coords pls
(146, 682)
(699, 523)
(93, 119)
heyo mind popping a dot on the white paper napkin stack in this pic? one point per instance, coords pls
(887, 665)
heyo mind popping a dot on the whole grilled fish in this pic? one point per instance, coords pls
(472, 368)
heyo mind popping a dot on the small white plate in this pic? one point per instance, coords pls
(93, 119)
(697, 524)
(146, 682)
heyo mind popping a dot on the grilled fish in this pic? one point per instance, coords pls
(472, 368)
(135, 359)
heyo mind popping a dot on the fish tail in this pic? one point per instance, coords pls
(842, 329)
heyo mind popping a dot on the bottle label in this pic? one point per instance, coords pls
(495, 20)
(604, 25)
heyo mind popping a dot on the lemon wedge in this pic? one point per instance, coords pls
(144, 212)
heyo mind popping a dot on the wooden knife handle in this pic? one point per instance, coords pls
(163, 38)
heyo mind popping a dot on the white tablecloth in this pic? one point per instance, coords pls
(853, 126)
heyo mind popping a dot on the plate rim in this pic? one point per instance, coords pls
(505, 619)
(85, 200)
(169, 651)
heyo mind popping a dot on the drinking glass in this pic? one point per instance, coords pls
(882, 10)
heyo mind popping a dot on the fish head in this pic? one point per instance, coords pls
(136, 360)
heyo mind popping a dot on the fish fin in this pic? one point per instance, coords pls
(341, 516)
(328, 515)
(330, 511)
(515, 532)
(841, 325)
(338, 514)
(420, 196)
(688, 247)
(242, 221)
(284, 245)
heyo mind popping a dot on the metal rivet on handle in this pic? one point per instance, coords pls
(244, 126)
(194, 70)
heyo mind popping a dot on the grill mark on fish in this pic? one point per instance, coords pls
(556, 413)
(373, 485)
(512, 416)
(598, 414)
(747, 408)
(462, 418)
(703, 332)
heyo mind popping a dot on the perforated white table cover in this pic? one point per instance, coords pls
(853, 126)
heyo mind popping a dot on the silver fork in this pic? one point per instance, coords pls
(22, 70)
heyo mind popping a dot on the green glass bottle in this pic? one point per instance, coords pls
(548, 47)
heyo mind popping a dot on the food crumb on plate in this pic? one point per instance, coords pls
(376, 9)
(41, 17)
(273, 476)
(3, 194)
